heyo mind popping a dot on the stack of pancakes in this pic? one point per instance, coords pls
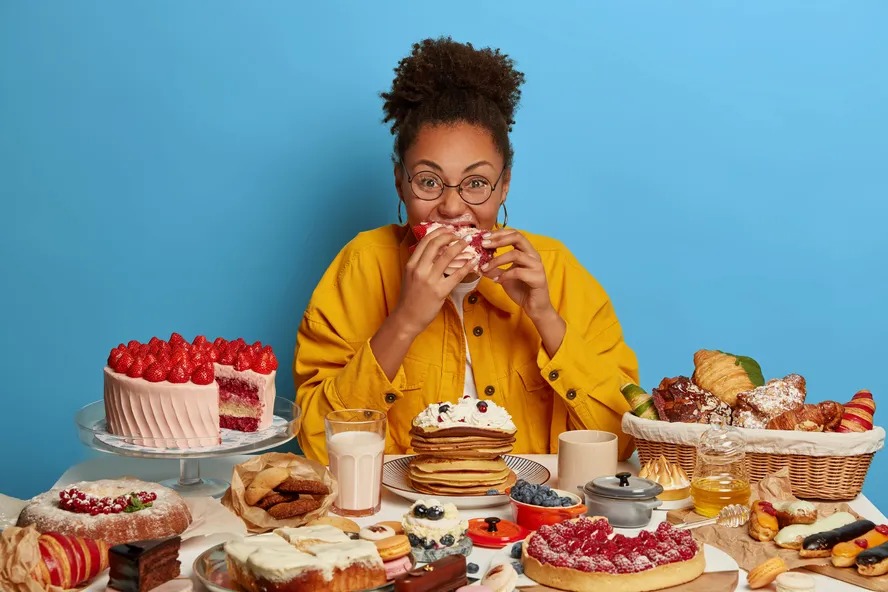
(465, 460)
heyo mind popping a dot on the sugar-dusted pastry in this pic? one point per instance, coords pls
(813, 417)
(726, 375)
(791, 537)
(797, 512)
(858, 414)
(845, 554)
(671, 476)
(680, 400)
(755, 408)
(763, 524)
(822, 543)
(641, 403)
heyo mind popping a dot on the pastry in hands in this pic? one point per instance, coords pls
(472, 236)
(680, 400)
(671, 476)
(845, 554)
(858, 414)
(763, 524)
(792, 536)
(726, 375)
(813, 417)
(641, 403)
(757, 407)
(797, 512)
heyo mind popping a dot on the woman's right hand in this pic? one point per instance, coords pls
(424, 286)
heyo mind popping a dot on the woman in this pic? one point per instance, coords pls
(396, 324)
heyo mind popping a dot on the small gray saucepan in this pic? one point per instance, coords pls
(626, 501)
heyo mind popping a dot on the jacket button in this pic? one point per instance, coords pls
(391, 397)
(473, 299)
(489, 390)
(571, 394)
(553, 375)
(477, 331)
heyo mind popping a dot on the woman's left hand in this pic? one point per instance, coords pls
(524, 280)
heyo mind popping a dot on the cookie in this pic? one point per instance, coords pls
(310, 486)
(264, 482)
(394, 525)
(274, 498)
(292, 509)
(377, 532)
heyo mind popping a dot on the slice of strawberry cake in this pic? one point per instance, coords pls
(176, 394)
(472, 235)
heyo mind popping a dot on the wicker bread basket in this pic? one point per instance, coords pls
(824, 466)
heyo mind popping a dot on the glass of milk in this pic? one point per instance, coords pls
(355, 445)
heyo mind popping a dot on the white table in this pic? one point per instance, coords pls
(393, 506)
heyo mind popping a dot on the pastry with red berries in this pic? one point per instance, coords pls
(474, 251)
(459, 448)
(585, 554)
(114, 511)
(176, 394)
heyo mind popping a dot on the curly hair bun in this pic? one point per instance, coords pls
(444, 81)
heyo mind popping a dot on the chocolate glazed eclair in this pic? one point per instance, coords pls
(873, 562)
(821, 544)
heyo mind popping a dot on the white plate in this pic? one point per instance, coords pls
(716, 560)
(394, 478)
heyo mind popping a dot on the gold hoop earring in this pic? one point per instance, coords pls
(400, 217)
(505, 215)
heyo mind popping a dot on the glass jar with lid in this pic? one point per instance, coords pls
(720, 475)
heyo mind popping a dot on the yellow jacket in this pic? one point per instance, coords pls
(577, 388)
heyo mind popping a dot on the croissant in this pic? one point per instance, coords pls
(30, 560)
(726, 375)
(858, 416)
(819, 417)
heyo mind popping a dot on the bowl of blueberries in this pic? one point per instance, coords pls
(537, 505)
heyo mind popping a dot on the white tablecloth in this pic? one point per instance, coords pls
(393, 506)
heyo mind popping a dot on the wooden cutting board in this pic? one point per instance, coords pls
(723, 581)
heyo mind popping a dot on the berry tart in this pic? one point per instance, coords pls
(435, 530)
(176, 394)
(112, 511)
(585, 554)
(473, 251)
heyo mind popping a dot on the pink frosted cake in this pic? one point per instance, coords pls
(175, 394)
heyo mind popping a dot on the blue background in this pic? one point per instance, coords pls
(720, 167)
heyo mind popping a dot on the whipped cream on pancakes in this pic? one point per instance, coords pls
(467, 412)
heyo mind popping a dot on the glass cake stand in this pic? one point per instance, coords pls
(93, 432)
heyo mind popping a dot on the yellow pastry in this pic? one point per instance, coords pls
(726, 375)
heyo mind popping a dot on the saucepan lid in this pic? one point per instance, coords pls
(623, 486)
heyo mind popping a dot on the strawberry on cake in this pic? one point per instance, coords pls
(585, 554)
(473, 251)
(176, 394)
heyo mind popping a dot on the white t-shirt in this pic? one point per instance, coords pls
(457, 296)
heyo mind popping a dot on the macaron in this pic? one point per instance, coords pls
(397, 567)
(500, 578)
(393, 547)
(762, 575)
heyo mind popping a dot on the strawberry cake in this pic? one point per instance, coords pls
(585, 554)
(176, 394)
(470, 234)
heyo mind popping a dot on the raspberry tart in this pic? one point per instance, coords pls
(115, 511)
(176, 394)
(585, 555)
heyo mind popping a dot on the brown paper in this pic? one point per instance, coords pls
(749, 553)
(19, 559)
(714, 580)
(258, 520)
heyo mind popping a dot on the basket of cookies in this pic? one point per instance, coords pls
(827, 446)
(277, 490)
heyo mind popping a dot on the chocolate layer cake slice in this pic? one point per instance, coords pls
(143, 565)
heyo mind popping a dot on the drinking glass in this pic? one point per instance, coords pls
(355, 445)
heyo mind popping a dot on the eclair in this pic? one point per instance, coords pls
(845, 554)
(873, 562)
(791, 537)
(763, 521)
(797, 512)
(822, 543)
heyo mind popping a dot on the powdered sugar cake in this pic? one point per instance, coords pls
(105, 510)
(459, 448)
(584, 554)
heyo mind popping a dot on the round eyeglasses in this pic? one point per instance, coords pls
(473, 190)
